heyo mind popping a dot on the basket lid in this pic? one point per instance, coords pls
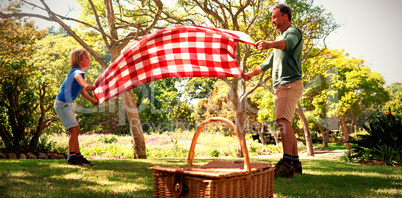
(219, 169)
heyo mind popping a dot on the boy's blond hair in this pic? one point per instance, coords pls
(76, 56)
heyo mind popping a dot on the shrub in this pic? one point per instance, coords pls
(381, 130)
(107, 139)
(214, 153)
(385, 154)
(399, 156)
(383, 137)
(366, 155)
(348, 156)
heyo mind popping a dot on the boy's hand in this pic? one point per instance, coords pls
(90, 88)
(95, 102)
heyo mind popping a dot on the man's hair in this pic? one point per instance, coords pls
(76, 56)
(284, 9)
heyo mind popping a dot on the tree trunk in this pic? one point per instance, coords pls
(240, 119)
(307, 134)
(261, 133)
(274, 134)
(345, 132)
(135, 126)
(133, 117)
(325, 138)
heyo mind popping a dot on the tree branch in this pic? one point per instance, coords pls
(104, 36)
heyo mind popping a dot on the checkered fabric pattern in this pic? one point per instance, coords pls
(179, 51)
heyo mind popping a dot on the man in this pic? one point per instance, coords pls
(285, 61)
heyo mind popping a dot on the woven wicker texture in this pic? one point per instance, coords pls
(218, 178)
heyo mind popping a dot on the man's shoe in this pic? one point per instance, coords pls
(283, 169)
(297, 168)
(85, 161)
(73, 160)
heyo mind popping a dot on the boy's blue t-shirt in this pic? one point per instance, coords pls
(70, 89)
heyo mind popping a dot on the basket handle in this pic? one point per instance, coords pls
(239, 137)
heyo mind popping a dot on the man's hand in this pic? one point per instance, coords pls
(261, 44)
(250, 75)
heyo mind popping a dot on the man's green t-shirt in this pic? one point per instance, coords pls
(286, 64)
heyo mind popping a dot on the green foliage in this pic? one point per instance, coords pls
(383, 137)
(18, 117)
(214, 153)
(383, 130)
(385, 154)
(159, 106)
(398, 154)
(198, 88)
(348, 156)
(218, 103)
(107, 140)
(17, 37)
(339, 86)
(266, 105)
(24, 90)
(395, 104)
(183, 116)
(366, 155)
(166, 144)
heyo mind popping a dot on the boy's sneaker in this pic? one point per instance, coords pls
(73, 160)
(283, 169)
(297, 168)
(85, 161)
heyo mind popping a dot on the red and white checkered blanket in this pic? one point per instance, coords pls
(180, 51)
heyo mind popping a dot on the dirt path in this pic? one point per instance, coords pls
(321, 154)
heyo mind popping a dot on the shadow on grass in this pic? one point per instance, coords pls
(108, 178)
(48, 178)
(338, 179)
(133, 178)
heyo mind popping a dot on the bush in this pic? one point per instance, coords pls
(383, 138)
(385, 154)
(383, 130)
(214, 153)
(348, 156)
(366, 155)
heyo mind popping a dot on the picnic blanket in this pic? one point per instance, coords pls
(179, 51)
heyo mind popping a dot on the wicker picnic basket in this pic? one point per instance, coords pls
(218, 178)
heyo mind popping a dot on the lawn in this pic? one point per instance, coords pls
(132, 178)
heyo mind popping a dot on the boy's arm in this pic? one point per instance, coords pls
(89, 98)
(84, 84)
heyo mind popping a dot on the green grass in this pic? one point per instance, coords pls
(331, 146)
(132, 178)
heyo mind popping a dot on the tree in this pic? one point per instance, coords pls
(341, 90)
(25, 106)
(26, 111)
(395, 104)
(116, 23)
(156, 101)
(183, 116)
(266, 103)
(17, 37)
(253, 17)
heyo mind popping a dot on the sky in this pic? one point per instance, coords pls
(371, 30)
